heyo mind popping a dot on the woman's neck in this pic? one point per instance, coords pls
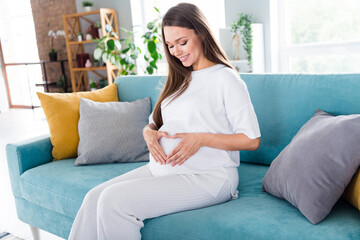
(202, 63)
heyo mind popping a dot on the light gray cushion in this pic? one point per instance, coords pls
(314, 169)
(112, 131)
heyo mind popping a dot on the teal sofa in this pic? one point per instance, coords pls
(48, 194)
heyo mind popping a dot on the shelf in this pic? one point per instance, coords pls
(82, 42)
(44, 84)
(72, 26)
(89, 69)
(82, 14)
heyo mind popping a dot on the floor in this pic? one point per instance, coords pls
(17, 125)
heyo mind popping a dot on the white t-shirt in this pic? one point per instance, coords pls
(216, 101)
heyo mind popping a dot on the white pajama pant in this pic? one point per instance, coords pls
(116, 209)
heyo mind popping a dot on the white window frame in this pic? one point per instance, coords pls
(287, 50)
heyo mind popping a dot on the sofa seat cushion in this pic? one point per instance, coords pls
(254, 215)
(60, 186)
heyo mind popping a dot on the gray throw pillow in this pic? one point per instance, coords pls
(112, 131)
(314, 169)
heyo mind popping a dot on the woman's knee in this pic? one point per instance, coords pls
(116, 199)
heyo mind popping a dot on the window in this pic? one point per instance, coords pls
(319, 36)
(18, 41)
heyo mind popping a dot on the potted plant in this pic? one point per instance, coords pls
(87, 6)
(110, 49)
(93, 85)
(243, 26)
(53, 35)
(79, 36)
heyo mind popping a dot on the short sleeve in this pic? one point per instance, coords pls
(239, 109)
(151, 120)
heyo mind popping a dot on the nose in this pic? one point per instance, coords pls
(177, 51)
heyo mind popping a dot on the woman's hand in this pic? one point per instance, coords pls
(151, 138)
(188, 146)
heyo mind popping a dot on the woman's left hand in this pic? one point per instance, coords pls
(188, 146)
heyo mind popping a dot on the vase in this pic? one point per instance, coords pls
(53, 56)
(87, 8)
(88, 63)
(100, 33)
(236, 42)
(88, 36)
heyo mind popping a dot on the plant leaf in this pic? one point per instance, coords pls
(153, 64)
(148, 35)
(97, 53)
(125, 50)
(150, 25)
(112, 59)
(117, 44)
(151, 47)
(150, 70)
(155, 55)
(108, 28)
(110, 44)
(115, 35)
(104, 57)
(132, 46)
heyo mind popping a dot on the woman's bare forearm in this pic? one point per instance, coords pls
(229, 142)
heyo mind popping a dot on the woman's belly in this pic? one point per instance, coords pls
(204, 160)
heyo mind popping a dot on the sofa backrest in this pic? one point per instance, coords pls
(282, 102)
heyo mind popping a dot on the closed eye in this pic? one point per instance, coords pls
(183, 44)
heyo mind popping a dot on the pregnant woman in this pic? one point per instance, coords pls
(203, 117)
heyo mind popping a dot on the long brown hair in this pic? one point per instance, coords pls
(188, 16)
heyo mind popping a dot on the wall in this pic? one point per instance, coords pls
(261, 11)
(47, 16)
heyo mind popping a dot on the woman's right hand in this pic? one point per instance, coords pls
(151, 138)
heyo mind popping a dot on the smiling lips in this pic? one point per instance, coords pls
(184, 58)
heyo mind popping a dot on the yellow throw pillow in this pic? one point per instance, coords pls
(62, 113)
(352, 192)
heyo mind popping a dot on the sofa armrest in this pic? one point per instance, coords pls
(25, 155)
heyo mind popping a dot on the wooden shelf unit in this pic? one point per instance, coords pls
(79, 76)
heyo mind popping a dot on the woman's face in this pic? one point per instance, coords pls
(184, 44)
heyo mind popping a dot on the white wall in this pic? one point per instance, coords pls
(261, 11)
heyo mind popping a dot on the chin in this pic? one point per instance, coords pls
(185, 64)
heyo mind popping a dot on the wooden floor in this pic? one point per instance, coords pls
(16, 125)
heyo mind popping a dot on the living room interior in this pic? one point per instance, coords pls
(50, 46)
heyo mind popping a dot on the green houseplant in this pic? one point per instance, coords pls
(152, 40)
(109, 48)
(87, 5)
(242, 26)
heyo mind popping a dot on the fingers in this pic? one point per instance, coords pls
(175, 150)
(180, 160)
(178, 135)
(163, 134)
(158, 153)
